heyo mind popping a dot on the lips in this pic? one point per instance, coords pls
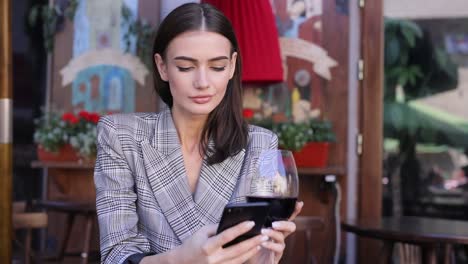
(202, 99)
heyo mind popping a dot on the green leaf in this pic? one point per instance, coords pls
(412, 27)
(409, 36)
(403, 79)
(33, 15)
(395, 72)
(392, 51)
(410, 32)
(70, 11)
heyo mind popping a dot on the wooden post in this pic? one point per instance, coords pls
(371, 123)
(6, 137)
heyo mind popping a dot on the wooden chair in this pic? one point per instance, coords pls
(306, 225)
(71, 210)
(22, 219)
(408, 254)
(411, 254)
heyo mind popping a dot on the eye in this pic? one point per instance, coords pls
(184, 69)
(219, 69)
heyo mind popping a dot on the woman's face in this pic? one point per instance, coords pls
(198, 66)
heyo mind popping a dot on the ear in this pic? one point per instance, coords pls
(233, 64)
(161, 65)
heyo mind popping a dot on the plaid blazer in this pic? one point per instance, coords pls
(143, 199)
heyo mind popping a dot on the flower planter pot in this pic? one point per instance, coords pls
(313, 154)
(65, 153)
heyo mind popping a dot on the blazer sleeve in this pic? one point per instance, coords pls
(274, 141)
(120, 236)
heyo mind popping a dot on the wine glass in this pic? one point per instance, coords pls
(274, 180)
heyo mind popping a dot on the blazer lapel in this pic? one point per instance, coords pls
(215, 187)
(165, 170)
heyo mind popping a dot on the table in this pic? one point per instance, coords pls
(67, 180)
(424, 232)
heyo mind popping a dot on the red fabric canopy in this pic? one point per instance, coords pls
(254, 25)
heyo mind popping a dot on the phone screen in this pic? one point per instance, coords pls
(234, 214)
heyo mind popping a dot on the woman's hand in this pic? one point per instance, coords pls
(206, 247)
(272, 250)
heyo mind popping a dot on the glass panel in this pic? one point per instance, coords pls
(426, 109)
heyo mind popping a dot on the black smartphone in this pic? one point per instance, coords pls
(236, 213)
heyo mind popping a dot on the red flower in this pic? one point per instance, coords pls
(85, 115)
(70, 118)
(248, 113)
(89, 116)
(94, 117)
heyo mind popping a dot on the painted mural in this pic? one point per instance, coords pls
(103, 77)
(306, 64)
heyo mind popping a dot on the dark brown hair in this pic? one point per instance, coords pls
(225, 124)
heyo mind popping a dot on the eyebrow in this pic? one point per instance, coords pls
(194, 60)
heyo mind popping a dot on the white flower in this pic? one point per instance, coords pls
(74, 141)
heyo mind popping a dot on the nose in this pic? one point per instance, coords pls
(201, 81)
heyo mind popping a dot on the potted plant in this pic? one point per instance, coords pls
(309, 141)
(66, 137)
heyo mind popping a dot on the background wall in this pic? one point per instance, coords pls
(425, 8)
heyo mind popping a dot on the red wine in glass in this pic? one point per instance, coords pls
(281, 208)
(274, 180)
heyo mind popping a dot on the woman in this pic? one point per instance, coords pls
(162, 180)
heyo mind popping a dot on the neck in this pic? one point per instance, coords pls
(189, 130)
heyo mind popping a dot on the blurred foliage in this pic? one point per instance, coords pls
(52, 19)
(412, 62)
(143, 32)
(294, 136)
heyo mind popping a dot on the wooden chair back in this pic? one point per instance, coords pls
(305, 227)
(21, 219)
(408, 254)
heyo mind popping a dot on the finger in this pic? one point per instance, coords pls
(228, 235)
(278, 248)
(238, 249)
(297, 210)
(242, 258)
(286, 227)
(277, 236)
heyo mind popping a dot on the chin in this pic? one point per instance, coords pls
(190, 108)
(201, 110)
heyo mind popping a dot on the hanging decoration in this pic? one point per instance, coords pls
(306, 63)
(310, 52)
(254, 25)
